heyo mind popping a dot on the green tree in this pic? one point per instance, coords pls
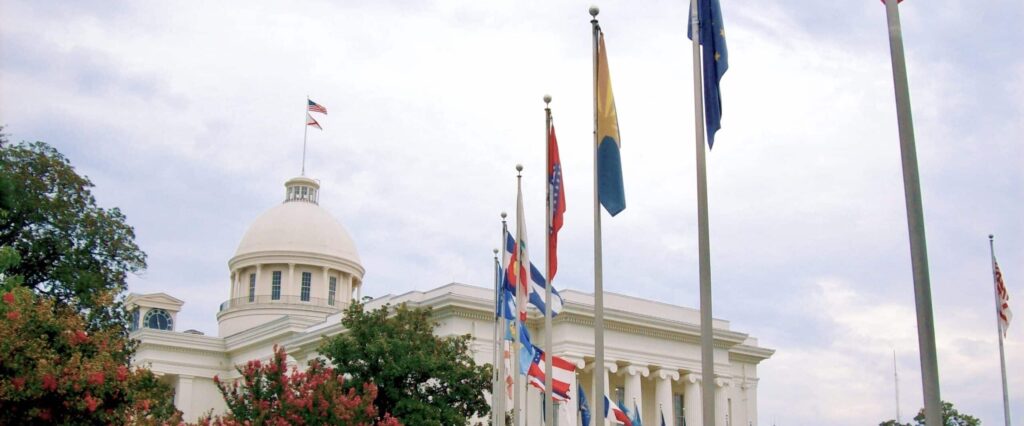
(70, 250)
(950, 417)
(422, 379)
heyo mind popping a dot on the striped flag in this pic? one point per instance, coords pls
(1003, 302)
(310, 121)
(562, 373)
(315, 107)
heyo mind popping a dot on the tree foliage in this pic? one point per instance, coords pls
(268, 394)
(950, 417)
(54, 371)
(423, 379)
(70, 250)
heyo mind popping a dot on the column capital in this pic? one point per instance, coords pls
(692, 378)
(575, 360)
(633, 370)
(664, 373)
(723, 382)
(326, 268)
(611, 366)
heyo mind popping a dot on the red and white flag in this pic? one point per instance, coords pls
(1002, 301)
(310, 121)
(563, 373)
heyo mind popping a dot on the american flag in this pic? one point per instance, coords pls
(315, 107)
(1002, 301)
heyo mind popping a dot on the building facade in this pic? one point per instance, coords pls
(296, 269)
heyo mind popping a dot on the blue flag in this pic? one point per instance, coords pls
(715, 61)
(662, 418)
(584, 407)
(636, 415)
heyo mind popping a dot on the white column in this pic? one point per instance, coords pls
(691, 399)
(325, 287)
(722, 401)
(663, 378)
(259, 273)
(359, 290)
(750, 391)
(292, 289)
(634, 393)
(183, 398)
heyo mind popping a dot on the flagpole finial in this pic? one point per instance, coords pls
(503, 215)
(547, 99)
(519, 168)
(495, 252)
(594, 10)
(990, 237)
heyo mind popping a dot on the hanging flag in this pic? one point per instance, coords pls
(509, 371)
(315, 107)
(536, 286)
(636, 415)
(557, 201)
(609, 163)
(1002, 302)
(310, 121)
(522, 251)
(662, 417)
(506, 306)
(715, 61)
(584, 407)
(562, 373)
(615, 414)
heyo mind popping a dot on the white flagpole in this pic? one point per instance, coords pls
(598, 267)
(517, 400)
(707, 361)
(503, 325)
(915, 223)
(549, 396)
(495, 382)
(305, 133)
(999, 330)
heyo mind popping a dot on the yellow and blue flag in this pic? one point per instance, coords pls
(609, 163)
(715, 61)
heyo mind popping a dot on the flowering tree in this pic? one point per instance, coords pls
(53, 371)
(269, 394)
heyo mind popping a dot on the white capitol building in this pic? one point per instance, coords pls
(297, 268)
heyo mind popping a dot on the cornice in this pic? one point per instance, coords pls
(298, 257)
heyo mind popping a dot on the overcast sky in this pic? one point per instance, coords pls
(187, 116)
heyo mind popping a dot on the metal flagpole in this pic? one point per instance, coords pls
(707, 361)
(598, 272)
(516, 417)
(915, 222)
(305, 133)
(503, 325)
(896, 380)
(999, 329)
(495, 385)
(549, 398)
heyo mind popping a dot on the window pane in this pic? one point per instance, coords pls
(275, 286)
(307, 279)
(332, 291)
(252, 288)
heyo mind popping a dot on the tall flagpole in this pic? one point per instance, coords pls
(520, 309)
(707, 354)
(598, 271)
(503, 325)
(999, 329)
(305, 133)
(896, 380)
(495, 384)
(915, 223)
(549, 398)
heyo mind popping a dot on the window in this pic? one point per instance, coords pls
(135, 319)
(252, 288)
(678, 409)
(275, 286)
(620, 395)
(307, 281)
(158, 319)
(332, 291)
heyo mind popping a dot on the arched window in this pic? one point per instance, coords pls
(158, 319)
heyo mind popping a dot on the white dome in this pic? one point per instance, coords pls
(298, 227)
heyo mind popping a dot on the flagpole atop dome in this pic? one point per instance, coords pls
(305, 134)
